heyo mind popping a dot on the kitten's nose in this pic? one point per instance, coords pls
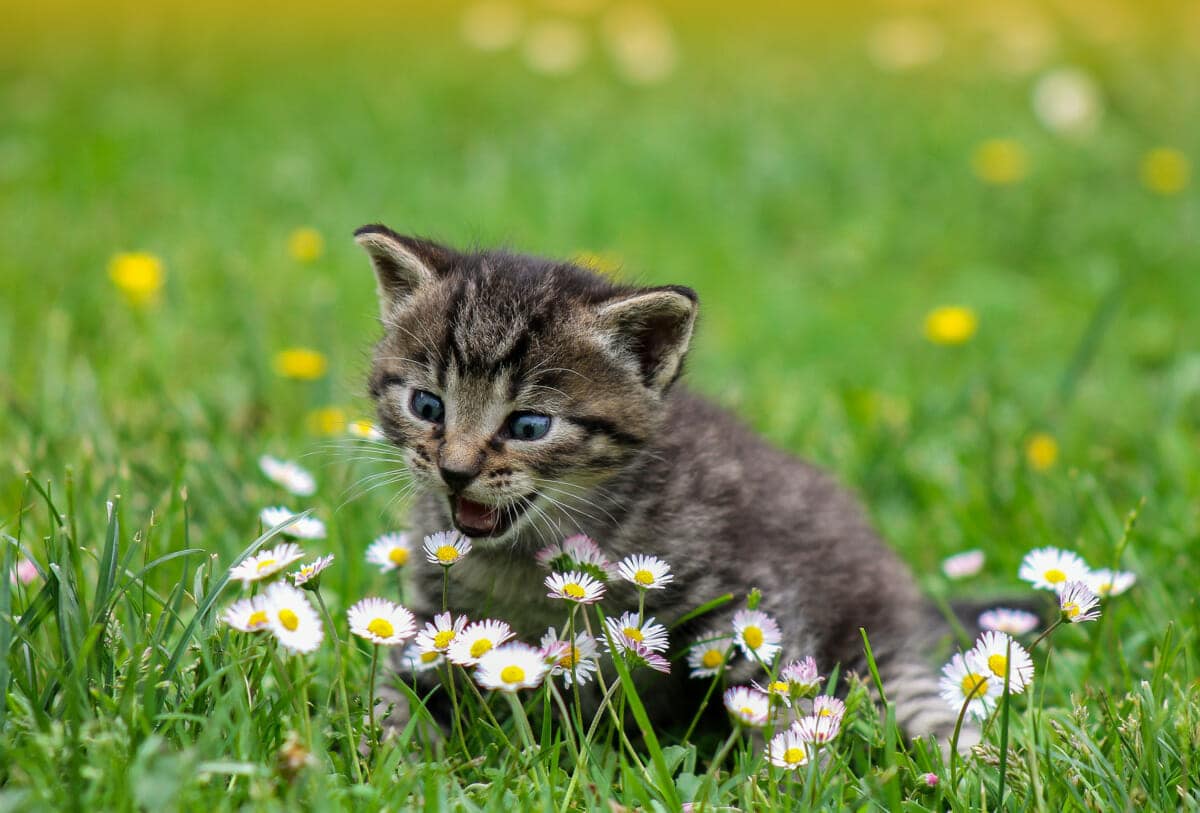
(456, 478)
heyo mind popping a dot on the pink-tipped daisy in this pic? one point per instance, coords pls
(963, 565)
(637, 655)
(390, 551)
(381, 622)
(1105, 582)
(297, 525)
(645, 572)
(476, 640)
(965, 680)
(709, 654)
(998, 652)
(574, 586)
(510, 668)
(1051, 568)
(825, 705)
(1014, 622)
(817, 730)
(310, 574)
(1078, 603)
(577, 552)
(266, 563)
(446, 548)
(747, 705)
(571, 662)
(626, 628)
(788, 749)
(757, 635)
(802, 675)
(440, 633)
(247, 615)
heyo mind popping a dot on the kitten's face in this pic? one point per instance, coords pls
(511, 384)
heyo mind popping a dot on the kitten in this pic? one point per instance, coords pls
(532, 399)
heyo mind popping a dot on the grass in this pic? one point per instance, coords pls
(820, 206)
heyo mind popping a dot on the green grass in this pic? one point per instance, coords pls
(820, 207)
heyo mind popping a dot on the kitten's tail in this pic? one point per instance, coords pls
(912, 685)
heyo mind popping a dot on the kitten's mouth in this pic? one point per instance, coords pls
(478, 520)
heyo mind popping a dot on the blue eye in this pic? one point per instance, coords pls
(528, 425)
(427, 406)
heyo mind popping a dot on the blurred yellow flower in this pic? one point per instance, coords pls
(602, 263)
(951, 324)
(1165, 171)
(1041, 450)
(327, 421)
(306, 245)
(1000, 161)
(138, 275)
(301, 363)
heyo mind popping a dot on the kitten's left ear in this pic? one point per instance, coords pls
(654, 327)
(402, 264)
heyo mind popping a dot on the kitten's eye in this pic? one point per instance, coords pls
(528, 425)
(427, 406)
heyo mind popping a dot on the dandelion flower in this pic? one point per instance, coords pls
(440, 633)
(292, 618)
(788, 749)
(491, 25)
(1105, 582)
(138, 276)
(574, 586)
(747, 705)
(1051, 568)
(511, 667)
(1000, 162)
(305, 245)
(577, 552)
(413, 659)
(327, 421)
(362, 428)
(291, 476)
(266, 563)
(951, 324)
(446, 548)
(1165, 171)
(476, 640)
(1078, 603)
(640, 42)
(816, 729)
(825, 705)
(757, 635)
(904, 43)
(554, 47)
(998, 652)
(707, 655)
(247, 615)
(381, 622)
(300, 527)
(962, 565)
(572, 661)
(1014, 622)
(802, 675)
(311, 572)
(646, 572)
(389, 551)
(964, 677)
(300, 363)
(1041, 450)
(626, 628)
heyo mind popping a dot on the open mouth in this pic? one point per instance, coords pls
(475, 519)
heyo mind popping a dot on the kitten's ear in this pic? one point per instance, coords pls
(402, 264)
(654, 326)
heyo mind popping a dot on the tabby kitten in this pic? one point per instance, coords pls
(532, 399)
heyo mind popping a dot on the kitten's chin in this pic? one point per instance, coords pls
(480, 521)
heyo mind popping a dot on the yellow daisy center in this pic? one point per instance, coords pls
(381, 628)
(264, 564)
(1054, 576)
(644, 577)
(512, 674)
(428, 657)
(570, 659)
(289, 619)
(997, 663)
(753, 636)
(574, 590)
(712, 659)
(825, 712)
(793, 756)
(974, 685)
(780, 687)
(443, 639)
(257, 618)
(399, 556)
(747, 711)
(447, 554)
(634, 634)
(1071, 609)
(480, 647)
(1104, 589)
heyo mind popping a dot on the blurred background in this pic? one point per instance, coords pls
(948, 250)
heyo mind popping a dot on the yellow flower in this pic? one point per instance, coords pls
(1000, 161)
(306, 245)
(300, 363)
(1041, 450)
(138, 275)
(604, 263)
(1165, 171)
(951, 324)
(327, 421)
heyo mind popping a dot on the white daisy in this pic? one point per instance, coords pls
(747, 705)
(996, 650)
(1078, 603)
(1051, 568)
(266, 563)
(707, 654)
(390, 551)
(446, 548)
(574, 586)
(962, 565)
(300, 527)
(381, 622)
(802, 675)
(825, 705)
(571, 662)
(816, 729)
(646, 572)
(362, 428)
(757, 635)
(412, 659)
(1014, 622)
(626, 628)
(638, 655)
(476, 640)
(964, 677)
(247, 615)
(788, 749)
(440, 633)
(290, 475)
(511, 667)
(1105, 582)
(292, 618)
(310, 573)
(577, 553)
(778, 688)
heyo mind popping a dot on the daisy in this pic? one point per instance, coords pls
(757, 635)
(778, 688)
(247, 615)
(817, 730)
(412, 659)
(1051, 568)
(440, 633)
(577, 553)
(646, 572)
(1078, 603)
(962, 565)
(964, 678)
(788, 749)
(802, 675)
(446, 548)
(998, 651)
(389, 551)
(1014, 622)
(747, 705)
(576, 662)
(626, 629)
(637, 654)
(300, 527)
(292, 618)
(476, 640)
(707, 654)
(290, 475)
(311, 573)
(362, 428)
(1105, 582)
(511, 667)
(574, 586)
(266, 563)
(828, 706)
(381, 622)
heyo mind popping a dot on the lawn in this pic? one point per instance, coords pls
(824, 180)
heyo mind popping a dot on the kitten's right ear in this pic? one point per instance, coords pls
(402, 264)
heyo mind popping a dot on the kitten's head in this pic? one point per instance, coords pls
(510, 381)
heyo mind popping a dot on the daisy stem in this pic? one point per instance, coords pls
(340, 680)
(641, 605)
(710, 777)
(1046, 634)
(522, 719)
(457, 721)
(617, 722)
(1007, 699)
(712, 686)
(487, 710)
(445, 588)
(281, 672)
(574, 674)
(585, 750)
(962, 714)
(371, 738)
